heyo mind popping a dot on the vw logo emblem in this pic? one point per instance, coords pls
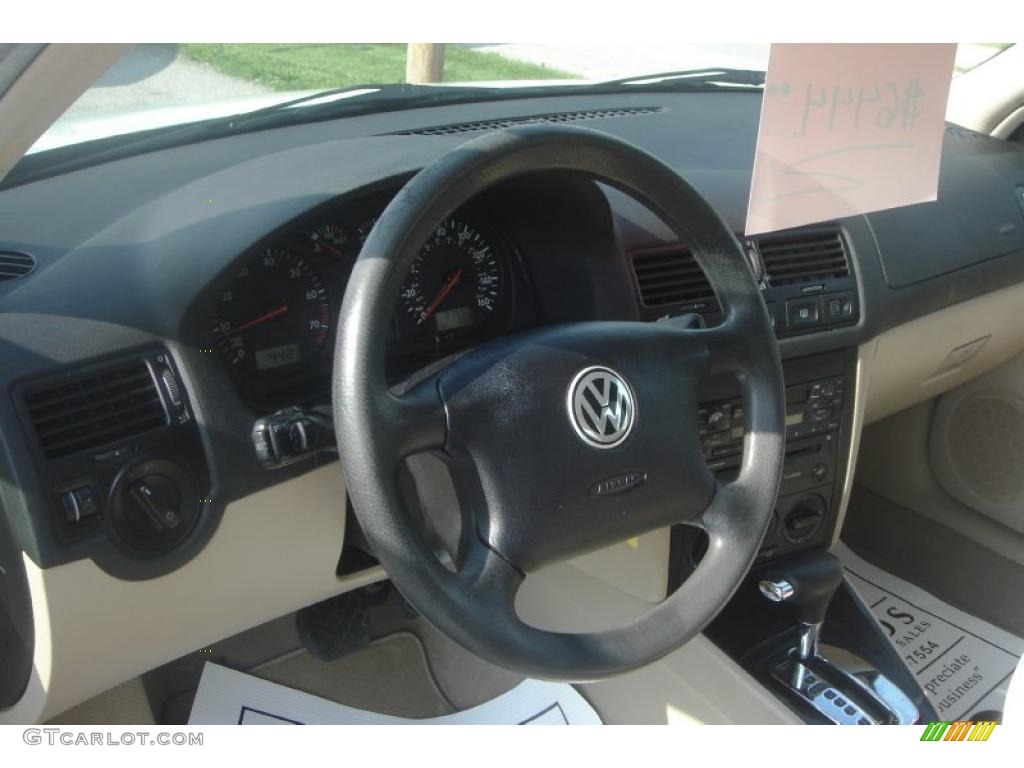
(602, 409)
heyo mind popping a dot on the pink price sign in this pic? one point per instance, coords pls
(846, 129)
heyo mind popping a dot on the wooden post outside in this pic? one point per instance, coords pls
(424, 63)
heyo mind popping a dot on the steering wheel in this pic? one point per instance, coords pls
(563, 439)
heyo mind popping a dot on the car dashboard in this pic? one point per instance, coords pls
(177, 297)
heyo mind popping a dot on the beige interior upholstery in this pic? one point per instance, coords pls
(273, 552)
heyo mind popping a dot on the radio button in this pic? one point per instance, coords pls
(820, 414)
(718, 438)
(839, 307)
(719, 420)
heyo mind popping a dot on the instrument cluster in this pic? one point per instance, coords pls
(273, 319)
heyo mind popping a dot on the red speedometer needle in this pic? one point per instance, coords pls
(329, 247)
(449, 284)
(275, 312)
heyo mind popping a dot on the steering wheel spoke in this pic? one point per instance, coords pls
(727, 345)
(416, 418)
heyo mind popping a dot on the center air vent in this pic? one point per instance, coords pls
(14, 264)
(803, 257)
(554, 117)
(671, 277)
(83, 411)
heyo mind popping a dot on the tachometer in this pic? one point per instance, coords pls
(274, 317)
(455, 285)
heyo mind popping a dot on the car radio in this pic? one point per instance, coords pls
(813, 409)
(814, 416)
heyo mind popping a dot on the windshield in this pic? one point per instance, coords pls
(155, 86)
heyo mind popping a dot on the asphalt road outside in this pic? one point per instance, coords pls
(150, 76)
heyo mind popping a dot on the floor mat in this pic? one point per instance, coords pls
(228, 697)
(389, 675)
(963, 664)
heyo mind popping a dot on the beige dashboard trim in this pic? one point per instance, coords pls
(50, 84)
(273, 552)
(914, 362)
(697, 683)
(865, 357)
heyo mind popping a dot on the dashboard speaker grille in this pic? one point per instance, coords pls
(803, 257)
(554, 117)
(670, 277)
(14, 264)
(986, 445)
(86, 410)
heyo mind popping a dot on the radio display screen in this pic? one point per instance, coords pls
(791, 419)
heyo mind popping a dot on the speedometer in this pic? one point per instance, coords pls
(455, 284)
(273, 318)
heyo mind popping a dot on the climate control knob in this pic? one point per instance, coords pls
(804, 519)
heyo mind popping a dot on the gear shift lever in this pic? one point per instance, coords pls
(808, 583)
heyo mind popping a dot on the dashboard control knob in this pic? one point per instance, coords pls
(804, 519)
(154, 505)
(157, 497)
(171, 385)
(718, 420)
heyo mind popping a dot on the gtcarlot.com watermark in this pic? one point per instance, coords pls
(76, 737)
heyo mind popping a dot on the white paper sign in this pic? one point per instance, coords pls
(846, 129)
(228, 697)
(962, 664)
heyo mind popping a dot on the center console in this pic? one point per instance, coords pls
(839, 669)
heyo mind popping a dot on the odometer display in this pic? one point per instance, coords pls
(455, 284)
(274, 317)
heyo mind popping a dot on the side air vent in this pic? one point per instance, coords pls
(670, 277)
(803, 257)
(554, 117)
(14, 264)
(86, 410)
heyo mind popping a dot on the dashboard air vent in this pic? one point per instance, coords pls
(669, 277)
(86, 410)
(14, 264)
(555, 117)
(803, 257)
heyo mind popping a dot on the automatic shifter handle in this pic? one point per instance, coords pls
(808, 583)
